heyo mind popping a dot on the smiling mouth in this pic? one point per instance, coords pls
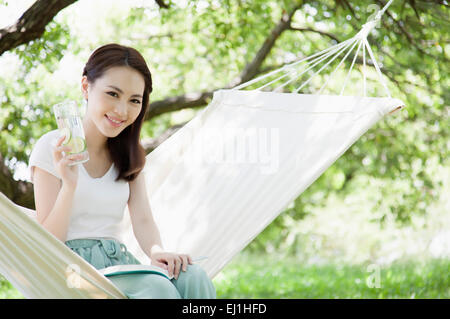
(114, 122)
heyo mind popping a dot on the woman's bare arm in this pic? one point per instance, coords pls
(144, 226)
(53, 203)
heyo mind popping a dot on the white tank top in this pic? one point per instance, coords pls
(98, 204)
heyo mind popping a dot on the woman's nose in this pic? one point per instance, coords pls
(121, 109)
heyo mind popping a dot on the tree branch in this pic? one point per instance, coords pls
(332, 36)
(31, 25)
(408, 35)
(161, 4)
(171, 104)
(251, 69)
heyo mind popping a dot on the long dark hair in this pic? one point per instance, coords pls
(125, 149)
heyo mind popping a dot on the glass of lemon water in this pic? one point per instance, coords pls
(70, 126)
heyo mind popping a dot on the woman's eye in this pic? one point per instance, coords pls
(115, 95)
(112, 93)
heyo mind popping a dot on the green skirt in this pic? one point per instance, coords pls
(104, 252)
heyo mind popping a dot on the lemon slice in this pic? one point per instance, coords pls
(78, 145)
(65, 131)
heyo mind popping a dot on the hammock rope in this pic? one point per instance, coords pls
(314, 58)
(332, 52)
(348, 74)
(328, 63)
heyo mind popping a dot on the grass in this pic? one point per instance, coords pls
(7, 291)
(266, 277)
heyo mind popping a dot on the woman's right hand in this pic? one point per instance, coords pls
(69, 174)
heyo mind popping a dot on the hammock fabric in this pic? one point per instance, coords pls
(215, 184)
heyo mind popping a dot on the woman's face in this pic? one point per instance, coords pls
(114, 100)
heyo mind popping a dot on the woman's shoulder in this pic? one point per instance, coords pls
(49, 136)
(41, 154)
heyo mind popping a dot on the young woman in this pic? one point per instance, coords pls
(82, 205)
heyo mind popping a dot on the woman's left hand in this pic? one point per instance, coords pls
(172, 262)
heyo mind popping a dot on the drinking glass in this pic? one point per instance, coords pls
(70, 125)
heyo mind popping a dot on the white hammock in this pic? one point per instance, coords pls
(217, 182)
